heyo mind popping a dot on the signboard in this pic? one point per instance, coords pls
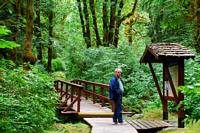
(174, 74)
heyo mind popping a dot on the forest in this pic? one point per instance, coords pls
(45, 40)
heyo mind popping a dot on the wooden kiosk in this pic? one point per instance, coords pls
(172, 56)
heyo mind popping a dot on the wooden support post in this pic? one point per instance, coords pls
(79, 99)
(165, 92)
(86, 94)
(156, 81)
(93, 96)
(61, 90)
(66, 96)
(56, 85)
(102, 100)
(72, 95)
(113, 106)
(181, 113)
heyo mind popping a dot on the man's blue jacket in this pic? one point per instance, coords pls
(115, 92)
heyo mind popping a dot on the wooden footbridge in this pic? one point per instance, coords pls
(90, 101)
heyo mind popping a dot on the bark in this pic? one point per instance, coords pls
(50, 49)
(132, 11)
(82, 20)
(130, 39)
(113, 4)
(118, 23)
(198, 26)
(13, 52)
(27, 53)
(38, 32)
(86, 14)
(105, 24)
(92, 8)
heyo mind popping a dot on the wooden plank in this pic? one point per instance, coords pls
(155, 124)
(69, 112)
(164, 123)
(105, 125)
(96, 114)
(139, 124)
(134, 125)
(148, 124)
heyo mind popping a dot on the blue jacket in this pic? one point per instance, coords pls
(114, 90)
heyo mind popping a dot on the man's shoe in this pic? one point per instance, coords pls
(115, 123)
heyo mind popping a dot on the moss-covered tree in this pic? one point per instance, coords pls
(27, 53)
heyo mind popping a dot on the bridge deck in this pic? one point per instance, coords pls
(88, 109)
(101, 125)
(104, 125)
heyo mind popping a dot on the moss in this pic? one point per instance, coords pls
(29, 57)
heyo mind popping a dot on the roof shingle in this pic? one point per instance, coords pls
(166, 50)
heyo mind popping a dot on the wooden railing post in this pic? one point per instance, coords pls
(102, 100)
(66, 96)
(61, 90)
(93, 96)
(79, 99)
(86, 94)
(72, 95)
(56, 85)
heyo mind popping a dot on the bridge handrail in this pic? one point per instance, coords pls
(91, 83)
(101, 96)
(69, 95)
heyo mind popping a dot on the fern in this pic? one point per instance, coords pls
(4, 43)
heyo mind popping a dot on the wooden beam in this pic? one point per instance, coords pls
(165, 93)
(156, 81)
(181, 113)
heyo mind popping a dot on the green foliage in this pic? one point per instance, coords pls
(191, 102)
(58, 65)
(98, 65)
(8, 44)
(4, 30)
(192, 89)
(169, 22)
(192, 127)
(192, 71)
(27, 100)
(4, 43)
(69, 128)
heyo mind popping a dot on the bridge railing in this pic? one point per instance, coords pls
(97, 91)
(70, 94)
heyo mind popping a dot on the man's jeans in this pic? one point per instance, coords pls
(117, 117)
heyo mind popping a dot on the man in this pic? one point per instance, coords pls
(115, 93)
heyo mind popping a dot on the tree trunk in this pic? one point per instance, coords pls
(87, 20)
(13, 52)
(118, 23)
(113, 5)
(198, 26)
(82, 20)
(92, 8)
(27, 53)
(111, 25)
(50, 49)
(105, 24)
(38, 32)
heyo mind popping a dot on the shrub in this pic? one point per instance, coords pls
(191, 102)
(27, 100)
